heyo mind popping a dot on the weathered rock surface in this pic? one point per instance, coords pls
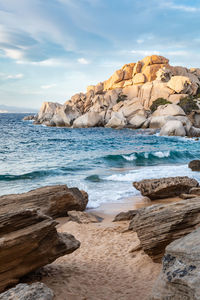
(125, 216)
(90, 119)
(165, 187)
(158, 225)
(82, 217)
(29, 118)
(29, 240)
(195, 191)
(194, 165)
(180, 275)
(173, 128)
(35, 291)
(54, 201)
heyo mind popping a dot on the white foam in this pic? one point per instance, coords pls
(130, 157)
(161, 154)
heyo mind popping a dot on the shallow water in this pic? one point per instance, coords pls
(102, 161)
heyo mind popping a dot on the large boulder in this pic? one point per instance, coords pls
(168, 110)
(54, 201)
(165, 187)
(29, 240)
(117, 121)
(179, 84)
(137, 121)
(173, 128)
(159, 121)
(34, 291)
(194, 165)
(90, 119)
(159, 225)
(154, 59)
(180, 274)
(64, 116)
(46, 112)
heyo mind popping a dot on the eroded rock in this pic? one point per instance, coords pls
(29, 240)
(180, 275)
(54, 201)
(34, 291)
(158, 225)
(165, 187)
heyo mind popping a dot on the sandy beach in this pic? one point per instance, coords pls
(104, 268)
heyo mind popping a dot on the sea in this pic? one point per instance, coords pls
(102, 161)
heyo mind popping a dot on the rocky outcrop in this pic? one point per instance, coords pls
(54, 201)
(125, 216)
(34, 291)
(29, 240)
(126, 97)
(180, 274)
(29, 118)
(82, 217)
(165, 187)
(158, 225)
(194, 165)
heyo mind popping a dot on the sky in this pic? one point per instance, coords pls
(52, 49)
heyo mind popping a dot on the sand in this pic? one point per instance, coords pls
(104, 268)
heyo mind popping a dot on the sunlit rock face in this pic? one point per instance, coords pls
(130, 92)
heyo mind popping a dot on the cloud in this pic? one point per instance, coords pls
(145, 52)
(17, 76)
(5, 76)
(48, 86)
(184, 8)
(13, 53)
(83, 61)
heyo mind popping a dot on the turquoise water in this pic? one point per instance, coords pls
(102, 161)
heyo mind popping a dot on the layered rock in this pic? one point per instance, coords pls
(130, 89)
(180, 274)
(54, 201)
(158, 225)
(37, 290)
(29, 240)
(165, 187)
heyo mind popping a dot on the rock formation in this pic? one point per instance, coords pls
(125, 216)
(160, 224)
(29, 240)
(35, 291)
(194, 165)
(165, 187)
(180, 275)
(54, 201)
(82, 217)
(126, 97)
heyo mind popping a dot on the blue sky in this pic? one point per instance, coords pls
(50, 50)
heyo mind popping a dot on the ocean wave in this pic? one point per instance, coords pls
(30, 175)
(152, 156)
(93, 178)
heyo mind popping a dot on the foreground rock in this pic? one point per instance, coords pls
(165, 187)
(125, 216)
(194, 165)
(82, 217)
(158, 225)
(180, 275)
(53, 201)
(35, 291)
(29, 240)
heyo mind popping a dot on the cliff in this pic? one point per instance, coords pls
(126, 98)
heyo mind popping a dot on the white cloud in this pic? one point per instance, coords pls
(83, 61)
(5, 76)
(185, 8)
(145, 52)
(48, 86)
(17, 76)
(14, 53)
(51, 62)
